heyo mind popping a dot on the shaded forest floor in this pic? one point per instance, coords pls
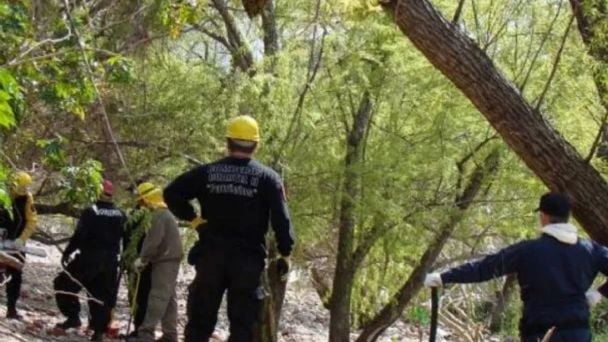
(304, 318)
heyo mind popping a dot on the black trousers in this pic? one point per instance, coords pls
(566, 335)
(99, 277)
(221, 268)
(13, 287)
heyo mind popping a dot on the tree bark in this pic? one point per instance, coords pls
(241, 53)
(391, 311)
(339, 324)
(268, 329)
(62, 208)
(524, 129)
(590, 17)
(271, 34)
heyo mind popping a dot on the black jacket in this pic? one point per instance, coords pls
(22, 212)
(238, 198)
(99, 231)
(553, 277)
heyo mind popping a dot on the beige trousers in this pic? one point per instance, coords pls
(162, 303)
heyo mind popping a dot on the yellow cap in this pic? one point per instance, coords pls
(243, 127)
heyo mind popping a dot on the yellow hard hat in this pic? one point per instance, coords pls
(21, 179)
(145, 189)
(243, 127)
(150, 194)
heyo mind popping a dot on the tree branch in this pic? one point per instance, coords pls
(555, 65)
(62, 208)
(393, 309)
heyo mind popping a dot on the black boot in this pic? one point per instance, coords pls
(97, 336)
(132, 337)
(69, 323)
(11, 313)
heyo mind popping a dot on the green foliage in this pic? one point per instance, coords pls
(174, 15)
(138, 224)
(5, 200)
(81, 183)
(419, 315)
(11, 99)
(170, 98)
(54, 154)
(599, 319)
(120, 69)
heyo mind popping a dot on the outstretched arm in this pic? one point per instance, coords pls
(492, 266)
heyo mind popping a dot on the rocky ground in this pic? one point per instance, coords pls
(304, 319)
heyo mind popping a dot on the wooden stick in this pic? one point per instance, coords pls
(548, 335)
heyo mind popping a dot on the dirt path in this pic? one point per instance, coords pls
(304, 319)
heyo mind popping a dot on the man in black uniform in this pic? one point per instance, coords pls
(97, 237)
(238, 198)
(18, 228)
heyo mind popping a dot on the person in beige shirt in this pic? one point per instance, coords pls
(162, 250)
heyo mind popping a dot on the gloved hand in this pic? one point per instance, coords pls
(194, 253)
(433, 280)
(593, 297)
(19, 244)
(283, 267)
(139, 265)
(194, 224)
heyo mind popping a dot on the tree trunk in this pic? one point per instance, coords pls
(339, 324)
(271, 34)
(268, 327)
(590, 17)
(391, 311)
(529, 135)
(242, 56)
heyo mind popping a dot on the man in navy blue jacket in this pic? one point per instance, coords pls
(554, 272)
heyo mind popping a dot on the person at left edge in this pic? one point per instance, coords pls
(18, 228)
(97, 237)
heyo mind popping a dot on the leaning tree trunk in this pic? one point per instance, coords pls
(522, 127)
(394, 308)
(339, 307)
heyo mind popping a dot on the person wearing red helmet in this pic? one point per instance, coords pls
(97, 238)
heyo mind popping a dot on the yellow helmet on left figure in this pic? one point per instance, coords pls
(21, 179)
(19, 183)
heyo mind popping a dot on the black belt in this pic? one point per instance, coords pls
(535, 329)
